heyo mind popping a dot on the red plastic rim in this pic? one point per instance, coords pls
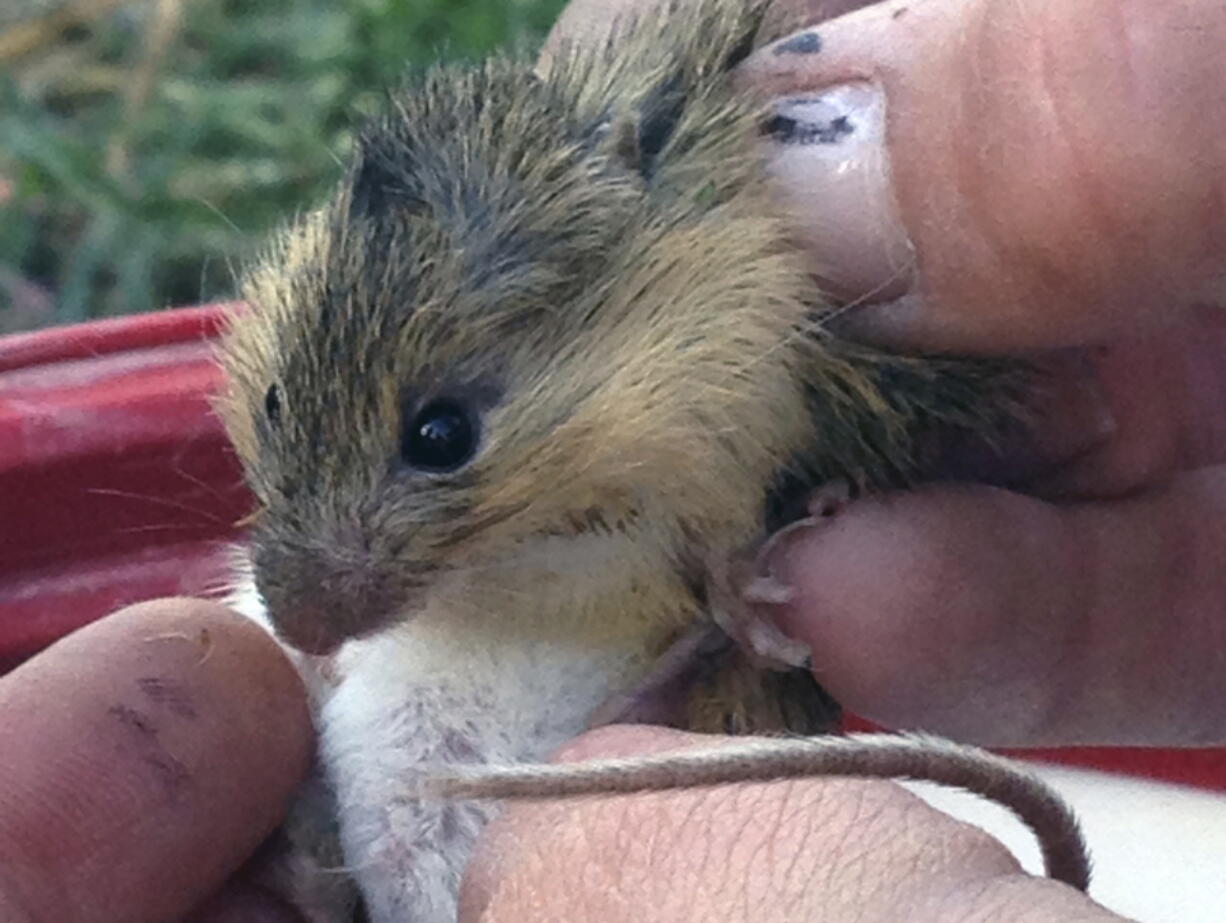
(116, 482)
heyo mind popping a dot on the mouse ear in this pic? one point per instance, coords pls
(380, 179)
(639, 136)
(667, 65)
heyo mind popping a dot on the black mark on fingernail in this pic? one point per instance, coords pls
(805, 43)
(787, 130)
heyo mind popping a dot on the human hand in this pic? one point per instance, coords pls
(146, 757)
(1023, 177)
(1078, 608)
(1055, 167)
(813, 849)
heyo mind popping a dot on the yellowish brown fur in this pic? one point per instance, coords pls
(588, 263)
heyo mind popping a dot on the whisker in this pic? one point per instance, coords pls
(161, 501)
(818, 323)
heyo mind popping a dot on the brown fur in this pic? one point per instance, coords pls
(591, 260)
(588, 260)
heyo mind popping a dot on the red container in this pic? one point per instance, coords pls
(117, 485)
(116, 482)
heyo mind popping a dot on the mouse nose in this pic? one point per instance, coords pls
(316, 603)
(308, 630)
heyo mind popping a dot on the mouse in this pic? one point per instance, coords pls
(520, 405)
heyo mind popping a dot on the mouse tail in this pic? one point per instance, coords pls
(913, 757)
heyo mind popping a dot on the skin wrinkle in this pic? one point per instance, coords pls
(1202, 376)
(792, 879)
(906, 830)
(763, 854)
(659, 847)
(778, 870)
(938, 861)
(1166, 582)
(1048, 707)
(753, 847)
(663, 864)
(1132, 49)
(1213, 629)
(860, 854)
(1082, 156)
(980, 888)
(1132, 656)
(1141, 43)
(1071, 668)
(891, 834)
(997, 901)
(692, 819)
(982, 92)
(1159, 646)
(611, 871)
(741, 798)
(14, 908)
(1181, 594)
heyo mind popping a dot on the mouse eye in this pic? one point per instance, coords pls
(272, 404)
(441, 437)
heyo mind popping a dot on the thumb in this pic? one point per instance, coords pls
(997, 175)
(1007, 621)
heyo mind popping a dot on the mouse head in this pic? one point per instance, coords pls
(537, 306)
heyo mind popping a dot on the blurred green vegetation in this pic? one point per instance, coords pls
(148, 145)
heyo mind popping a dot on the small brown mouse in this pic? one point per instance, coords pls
(517, 404)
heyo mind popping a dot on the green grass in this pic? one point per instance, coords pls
(114, 200)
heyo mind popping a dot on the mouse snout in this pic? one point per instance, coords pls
(317, 601)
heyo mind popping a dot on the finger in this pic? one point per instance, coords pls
(1008, 175)
(1164, 393)
(1005, 620)
(1068, 418)
(1110, 420)
(145, 757)
(817, 850)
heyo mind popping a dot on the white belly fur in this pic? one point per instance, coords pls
(442, 687)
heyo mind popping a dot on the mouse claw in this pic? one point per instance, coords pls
(738, 587)
(734, 591)
(824, 503)
(768, 590)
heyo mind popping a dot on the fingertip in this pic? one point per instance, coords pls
(146, 756)
(906, 602)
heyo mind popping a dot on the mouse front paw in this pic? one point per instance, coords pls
(303, 864)
(739, 585)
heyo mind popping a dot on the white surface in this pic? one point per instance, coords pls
(1159, 851)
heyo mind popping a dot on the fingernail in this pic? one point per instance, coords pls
(829, 164)
(770, 585)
